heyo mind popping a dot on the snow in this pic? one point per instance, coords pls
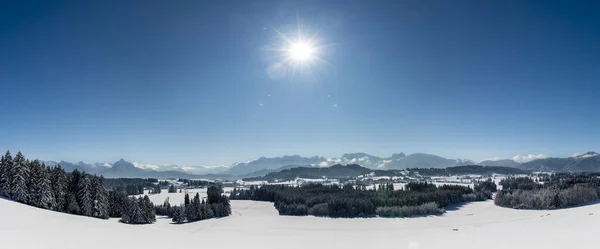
(257, 225)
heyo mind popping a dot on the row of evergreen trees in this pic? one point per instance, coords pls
(33, 183)
(557, 191)
(195, 209)
(131, 210)
(350, 201)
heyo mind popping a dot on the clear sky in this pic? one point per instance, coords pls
(191, 82)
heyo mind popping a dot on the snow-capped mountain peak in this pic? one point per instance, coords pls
(587, 154)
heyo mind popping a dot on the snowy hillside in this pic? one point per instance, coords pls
(257, 225)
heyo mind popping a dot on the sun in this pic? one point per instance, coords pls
(297, 53)
(301, 51)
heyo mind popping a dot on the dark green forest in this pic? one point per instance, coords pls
(417, 198)
(557, 191)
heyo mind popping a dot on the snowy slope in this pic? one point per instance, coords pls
(257, 225)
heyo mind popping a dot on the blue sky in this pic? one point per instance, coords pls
(188, 82)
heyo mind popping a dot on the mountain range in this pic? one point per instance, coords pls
(396, 161)
(586, 162)
(589, 161)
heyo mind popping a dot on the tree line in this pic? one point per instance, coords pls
(195, 209)
(194, 183)
(548, 192)
(35, 184)
(417, 198)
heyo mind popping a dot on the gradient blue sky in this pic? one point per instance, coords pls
(186, 82)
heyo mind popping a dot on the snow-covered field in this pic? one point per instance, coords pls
(257, 225)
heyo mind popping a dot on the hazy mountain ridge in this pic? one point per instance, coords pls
(589, 161)
(396, 161)
(500, 162)
(586, 162)
(354, 170)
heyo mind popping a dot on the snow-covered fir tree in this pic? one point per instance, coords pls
(18, 178)
(178, 215)
(47, 200)
(149, 212)
(84, 195)
(5, 166)
(39, 187)
(100, 198)
(59, 188)
(33, 182)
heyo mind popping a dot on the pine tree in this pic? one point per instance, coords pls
(202, 212)
(193, 209)
(149, 212)
(117, 203)
(84, 198)
(71, 205)
(128, 211)
(46, 197)
(100, 198)
(72, 192)
(208, 211)
(1, 175)
(18, 175)
(139, 213)
(132, 213)
(186, 200)
(177, 217)
(6, 165)
(156, 189)
(33, 183)
(59, 188)
(226, 206)
(172, 189)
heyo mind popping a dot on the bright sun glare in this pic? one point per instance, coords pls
(301, 51)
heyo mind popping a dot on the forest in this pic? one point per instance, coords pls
(35, 184)
(417, 198)
(555, 191)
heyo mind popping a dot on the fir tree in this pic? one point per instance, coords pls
(33, 183)
(193, 209)
(208, 211)
(172, 189)
(6, 165)
(156, 189)
(100, 198)
(46, 197)
(59, 188)
(150, 212)
(2, 175)
(132, 213)
(186, 200)
(116, 206)
(18, 176)
(177, 215)
(84, 198)
(72, 192)
(226, 206)
(71, 205)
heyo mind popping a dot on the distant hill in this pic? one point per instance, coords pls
(272, 163)
(264, 172)
(354, 170)
(502, 162)
(469, 169)
(587, 162)
(335, 171)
